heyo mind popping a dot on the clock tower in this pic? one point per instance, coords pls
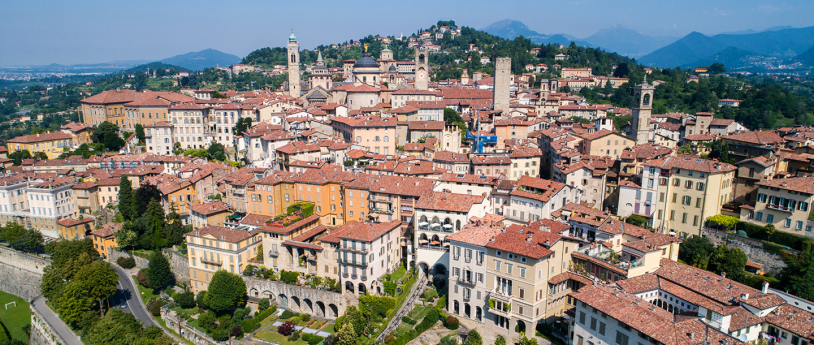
(293, 66)
(422, 69)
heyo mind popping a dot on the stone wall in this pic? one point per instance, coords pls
(41, 331)
(188, 332)
(178, 262)
(772, 263)
(300, 299)
(21, 273)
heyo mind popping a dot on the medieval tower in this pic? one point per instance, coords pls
(503, 79)
(293, 66)
(422, 69)
(640, 124)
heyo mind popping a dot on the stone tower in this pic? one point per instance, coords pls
(293, 66)
(320, 76)
(422, 69)
(386, 54)
(503, 78)
(640, 124)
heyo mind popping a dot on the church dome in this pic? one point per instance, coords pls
(392, 68)
(366, 61)
(292, 38)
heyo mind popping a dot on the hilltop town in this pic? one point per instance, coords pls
(500, 202)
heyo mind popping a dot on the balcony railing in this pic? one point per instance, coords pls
(428, 247)
(345, 275)
(467, 282)
(501, 295)
(354, 263)
(780, 208)
(212, 261)
(273, 253)
(381, 210)
(364, 250)
(467, 259)
(354, 276)
(364, 278)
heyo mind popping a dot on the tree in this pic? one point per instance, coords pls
(187, 299)
(695, 251)
(346, 335)
(40, 156)
(727, 221)
(99, 280)
(527, 341)
(18, 156)
(449, 340)
(263, 305)
(140, 132)
(622, 70)
(127, 203)
(126, 237)
(685, 149)
(159, 271)
(74, 303)
(145, 194)
(286, 328)
(474, 338)
(175, 229)
(242, 125)
(117, 327)
(500, 340)
(108, 134)
(216, 152)
(200, 300)
(731, 261)
(797, 278)
(225, 291)
(717, 68)
(355, 319)
(155, 224)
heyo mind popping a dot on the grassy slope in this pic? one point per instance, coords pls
(15, 317)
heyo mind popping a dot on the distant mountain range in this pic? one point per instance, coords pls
(686, 52)
(198, 61)
(617, 39)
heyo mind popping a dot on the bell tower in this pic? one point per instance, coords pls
(293, 66)
(640, 124)
(422, 69)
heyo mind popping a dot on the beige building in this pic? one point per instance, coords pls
(375, 134)
(213, 213)
(604, 143)
(784, 203)
(214, 248)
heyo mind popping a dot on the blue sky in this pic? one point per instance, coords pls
(36, 32)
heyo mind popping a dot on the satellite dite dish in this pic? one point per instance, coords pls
(742, 338)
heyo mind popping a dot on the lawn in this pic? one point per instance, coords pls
(398, 274)
(146, 293)
(269, 320)
(275, 337)
(190, 311)
(15, 317)
(328, 328)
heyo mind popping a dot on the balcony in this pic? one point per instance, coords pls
(467, 282)
(354, 276)
(406, 208)
(364, 278)
(468, 259)
(362, 263)
(364, 250)
(431, 247)
(273, 252)
(381, 199)
(381, 210)
(212, 261)
(500, 295)
(345, 275)
(780, 208)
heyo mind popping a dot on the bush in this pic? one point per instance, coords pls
(451, 323)
(126, 262)
(263, 305)
(155, 307)
(249, 270)
(286, 315)
(474, 338)
(286, 329)
(389, 339)
(295, 320)
(305, 317)
(294, 337)
(200, 300)
(636, 220)
(142, 279)
(408, 320)
(273, 309)
(185, 299)
(312, 339)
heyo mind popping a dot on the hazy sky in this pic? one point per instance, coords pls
(37, 32)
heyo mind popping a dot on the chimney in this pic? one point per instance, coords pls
(723, 274)
(744, 296)
(765, 288)
(692, 335)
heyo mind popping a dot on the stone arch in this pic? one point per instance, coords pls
(295, 305)
(349, 287)
(458, 224)
(422, 58)
(320, 309)
(467, 310)
(439, 270)
(362, 289)
(282, 301)
(267, 294)
(253, 292)
(646, 99)
(479, 313)
(333, 310)
(293, 58)
(308, 306)
(425, 268)
(520, 327)
(456, 307)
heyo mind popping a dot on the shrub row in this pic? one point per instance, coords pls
(429, 321)
(312, 339)
(408, 320)
(254, 323)
(779, 237)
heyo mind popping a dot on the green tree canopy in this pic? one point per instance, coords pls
(797, 278)
(159, 271)
(127, 202)
(727, 221)
(695, 251)
(732, 261)
(225, 290)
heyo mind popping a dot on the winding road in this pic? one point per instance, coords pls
(129, 293)
(56, 324)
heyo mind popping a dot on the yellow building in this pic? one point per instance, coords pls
(70, 228)
(213, 213)
(784, 203)
(105, 238)
(604, 143)
(323, 188)
(273, 194)
(214, 248)
(52, 144)
(79, 131)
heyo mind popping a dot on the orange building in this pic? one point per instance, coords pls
(70, 228)
(273, 194)
(105, 238)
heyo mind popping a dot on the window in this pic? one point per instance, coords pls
(686, 200)
(787, 222)
(593, 323)
(602, 327)
(582, 317)
(497, 265)
(799, 225)
(769, 218)
(522, 292)
(684, 218)
(761, 197)
(698, 202)
(700, 186)
(759, 216)
(523, 270)
(695, 220)
(621, 338)
(688, 184)
(677, 182)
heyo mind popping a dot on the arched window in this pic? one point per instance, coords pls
(646, 99)
(293, 58)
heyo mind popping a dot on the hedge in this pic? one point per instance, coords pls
(254, 323)
(286, 315)
(778, 237)
(126, 262)
(408, 320)
(312, 339)
(429, 321)
(307, 208)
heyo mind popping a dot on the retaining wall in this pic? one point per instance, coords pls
(21, 273)
(772, 263)
(188, 332)
(179, 264)
(41, 331)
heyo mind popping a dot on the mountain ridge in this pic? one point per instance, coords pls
(197, 61)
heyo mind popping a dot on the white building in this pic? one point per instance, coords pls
(533, 199)
(158, 138)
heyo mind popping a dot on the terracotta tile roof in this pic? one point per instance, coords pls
(711, 285)
(68, 222)
(211, 208)
(764, 301)
(699, 137)
(694, 163)
(290, 228)
(657, 323)
(525, 152)
(320, 177)
(763, 138)
(223, 233)
(278, 176)
(450, 202)
(367, 121)
(568, 276)
(491, 160)
(54, 182)
(546, 188)
(525, 241)
(310, 234)
(424, 125)
(367, 232)
(38, 138)
(477, 236)
(450, 157)
(402, 185)
(138, 171)
(416, 167)
(295, 147)
(255, 219)
(793, 319)
(107, 230)
(469, 178)
(427, 104)
(111, 96)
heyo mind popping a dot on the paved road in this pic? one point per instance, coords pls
(57, 324)
(130, 295)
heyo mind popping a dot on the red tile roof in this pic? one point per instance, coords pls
(367, 232)
(211, 208)
(223, 233)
